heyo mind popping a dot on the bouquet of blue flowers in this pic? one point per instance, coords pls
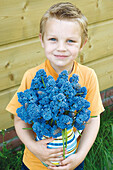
(54, 106)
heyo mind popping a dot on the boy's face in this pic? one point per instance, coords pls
(61, 42)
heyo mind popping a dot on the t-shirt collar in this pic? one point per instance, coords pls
(54, 74)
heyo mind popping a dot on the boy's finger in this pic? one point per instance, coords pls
(45, 141)
(49, 163)
(56, 159)
(55, 151)
(56, 155)
(65, 161)
(58, 168)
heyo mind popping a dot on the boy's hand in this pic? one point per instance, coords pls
(38, 148)
(46, 155)
(69, 163)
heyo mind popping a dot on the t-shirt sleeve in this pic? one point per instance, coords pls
(93, 95)
(14, 104)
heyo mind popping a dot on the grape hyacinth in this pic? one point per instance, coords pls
(53, 106)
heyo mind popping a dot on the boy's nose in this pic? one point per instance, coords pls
(61, 46)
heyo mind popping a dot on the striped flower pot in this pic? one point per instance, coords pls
(58, 143)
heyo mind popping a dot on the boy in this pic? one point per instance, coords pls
(63, 34)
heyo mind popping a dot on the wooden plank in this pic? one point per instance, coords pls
(15, 60)
(20, 19)
(104, 71)
(5, 117)
(100, 42)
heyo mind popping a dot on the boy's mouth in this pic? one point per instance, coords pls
(61, 56)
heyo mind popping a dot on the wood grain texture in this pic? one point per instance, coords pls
(15, 60)
(104, 71)
(100, 42)
(20, 19)
(5, 117)
(20, 48)
(18, 57)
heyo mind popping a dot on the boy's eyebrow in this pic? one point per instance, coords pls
(71, 37)
(52, 35)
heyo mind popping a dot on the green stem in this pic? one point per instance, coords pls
(43, 82)
(66, 136)
(79, 133)
(63, 137)
(27, 128)
(51, 121)
(77, 113)
(79, 94)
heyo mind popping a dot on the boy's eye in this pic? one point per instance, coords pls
(71, 41)
(52, 39)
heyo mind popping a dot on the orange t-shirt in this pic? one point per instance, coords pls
(87, 78)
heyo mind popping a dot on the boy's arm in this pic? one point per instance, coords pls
(88, 137)
(38, 148)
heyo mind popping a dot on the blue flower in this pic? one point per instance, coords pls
(34, 111)
(63, 77)
(79, 126)
(38, 129)
(47, 130)
(81, 102)
(83, 116)
(23, 114)
(64, 121)
(56, 132)
(80, 118)
(30, 95)
(54, 92)
(50, 85)
(82, 91)
(68, 90)
(76, 86)
(73, 107)
(74, 78)
(37, 83)
(60, 97)
(46, 113)
(50, 104)
(44, 100)
(22, 98)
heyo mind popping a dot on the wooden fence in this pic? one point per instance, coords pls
(20, 48)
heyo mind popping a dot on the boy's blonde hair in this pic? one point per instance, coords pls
(65, 11)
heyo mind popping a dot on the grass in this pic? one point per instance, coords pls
(10, 159)
(100, 156)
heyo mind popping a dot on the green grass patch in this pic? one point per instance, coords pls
(100, 156)
(10, 159)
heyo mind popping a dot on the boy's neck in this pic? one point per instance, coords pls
(60, 69)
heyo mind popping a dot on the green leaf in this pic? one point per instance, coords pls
(93, 116)
(2, 155)
(27, 128)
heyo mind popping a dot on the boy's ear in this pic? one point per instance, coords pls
(40, 37)
(83, 45)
